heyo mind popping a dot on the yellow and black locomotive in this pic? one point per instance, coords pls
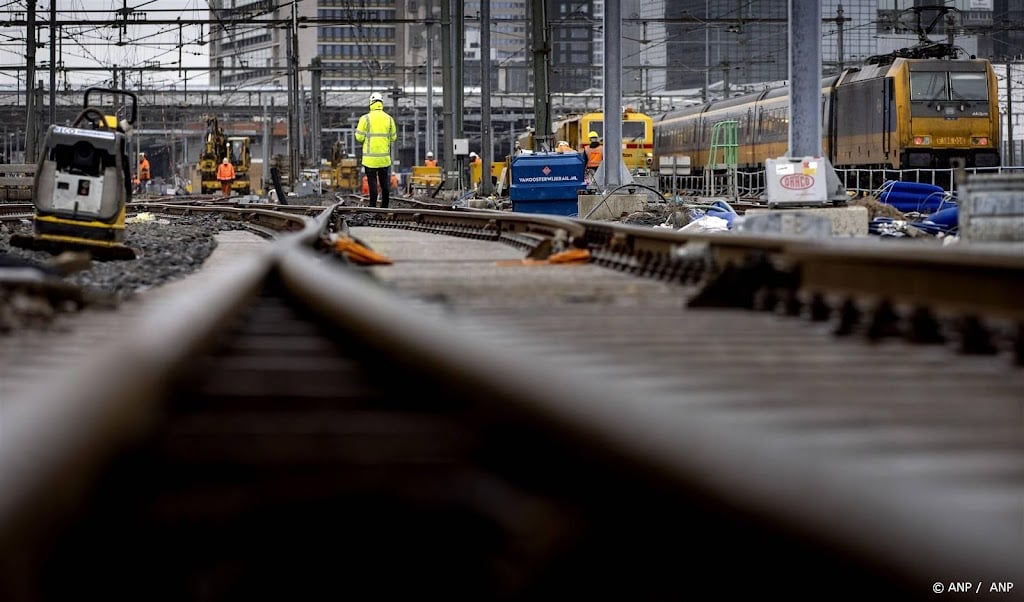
(919, 109)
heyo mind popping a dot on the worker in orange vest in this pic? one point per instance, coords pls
(144, 174)
(226, 175)
(394, 182)
(431, 161)
(594, 152)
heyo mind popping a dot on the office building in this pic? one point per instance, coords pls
(667, 45)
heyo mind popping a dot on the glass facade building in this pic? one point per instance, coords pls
(667, 45)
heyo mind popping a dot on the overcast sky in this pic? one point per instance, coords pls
(90, 43)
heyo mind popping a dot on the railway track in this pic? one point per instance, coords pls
(828, 420)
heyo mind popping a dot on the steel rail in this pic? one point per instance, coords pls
(58, 438)
(537, 233)
(526, 401)
(16, 211)
(796, 275)
(914, 283)
(968, 280)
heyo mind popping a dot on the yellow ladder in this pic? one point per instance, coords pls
(723, 155)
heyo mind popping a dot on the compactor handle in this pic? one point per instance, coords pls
(134, 98)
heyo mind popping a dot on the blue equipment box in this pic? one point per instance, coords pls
(547, 183)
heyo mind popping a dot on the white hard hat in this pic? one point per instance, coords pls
(430, 153)
(376, 97)
(473, 154)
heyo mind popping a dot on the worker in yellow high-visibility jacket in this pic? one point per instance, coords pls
(377, 132)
